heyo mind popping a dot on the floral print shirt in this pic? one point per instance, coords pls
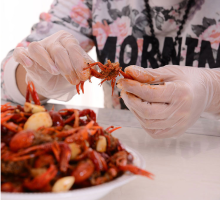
(120, 31)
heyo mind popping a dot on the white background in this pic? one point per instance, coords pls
(17, 18)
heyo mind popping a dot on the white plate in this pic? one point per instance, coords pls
(90, 193)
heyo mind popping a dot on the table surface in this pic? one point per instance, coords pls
(186, 167)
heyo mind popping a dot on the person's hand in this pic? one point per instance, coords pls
(168, 109)
(55, 64)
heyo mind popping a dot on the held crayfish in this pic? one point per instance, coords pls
(109, 72)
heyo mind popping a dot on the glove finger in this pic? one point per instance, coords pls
(158, 123)
(42, 57)
(151, 93)
(145, 110)
(78, 57)
(160, 133)
(168, 132)
(20, 55)
(154, 133)
(148, 110)
(149, 75)
(62, 61)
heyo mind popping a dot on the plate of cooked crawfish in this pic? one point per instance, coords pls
(61, 154)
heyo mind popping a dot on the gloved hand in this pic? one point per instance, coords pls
(55, 64)
(168, 110)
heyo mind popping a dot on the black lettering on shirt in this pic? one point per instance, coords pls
(169, 50)
(149, 55)
(206, 55)
(109, 50)
(130, 40)
(191, 44)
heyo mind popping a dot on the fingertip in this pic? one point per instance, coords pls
(128, 97)
(83, 73)
(131, 67)
(129, 85)
(53, 69)
(21, 55)
(140, 74)
(72, 78)
(119, 83)
(27, 62)
(123, 94)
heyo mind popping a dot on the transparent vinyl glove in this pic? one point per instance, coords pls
(55, 64)
(171, 107)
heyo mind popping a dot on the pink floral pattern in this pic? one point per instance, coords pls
(211, 34)
(87, 45)
(23, 44)
(45, 16)
(121, 28)
(80, 13)
(101, 31)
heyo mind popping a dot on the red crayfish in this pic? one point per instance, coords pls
(109, 72)
(40, 149)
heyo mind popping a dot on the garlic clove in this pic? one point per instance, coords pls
(75, 150)
(28, 107)
(63, 184)
(101, 144)
(37, 120)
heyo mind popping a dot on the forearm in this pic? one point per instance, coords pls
(20, 76)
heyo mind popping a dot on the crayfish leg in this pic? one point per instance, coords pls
(33, 93)
(101, 66)
(96, 74)
(126, 75)
(103, 81)
(28, 93)
(135, 170)
(6, 107)
(114, 129)
(113, 85)
(77, 88)
(81, 85)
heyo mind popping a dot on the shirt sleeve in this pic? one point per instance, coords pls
(73, 16)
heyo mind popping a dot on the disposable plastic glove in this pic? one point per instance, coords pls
(55, 64)
(168, 110)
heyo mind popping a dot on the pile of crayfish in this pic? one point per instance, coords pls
(56, 151)
(109, 72)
